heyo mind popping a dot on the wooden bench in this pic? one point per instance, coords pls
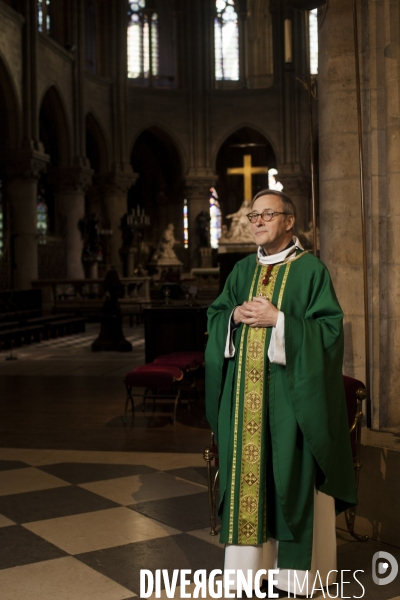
(37, 329)
(10, 338)
(9, 325)
(19, 315)
(62, 327)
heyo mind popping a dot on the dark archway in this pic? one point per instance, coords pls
(231, 154)
(54, 135)
(53, 129)
(9, 140)
(96, 146)
(9, 113)
(159, 187)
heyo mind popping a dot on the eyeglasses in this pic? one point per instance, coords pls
(266, 215)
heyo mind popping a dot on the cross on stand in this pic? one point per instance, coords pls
(247, 171)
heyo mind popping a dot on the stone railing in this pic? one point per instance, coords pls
(86, 296)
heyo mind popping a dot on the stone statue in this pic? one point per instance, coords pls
(239, 231)
(165, 253)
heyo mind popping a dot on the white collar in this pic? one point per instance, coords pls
(273, 259)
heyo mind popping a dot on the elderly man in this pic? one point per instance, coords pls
(275, 401)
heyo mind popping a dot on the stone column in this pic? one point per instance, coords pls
(115, 199)
(298, 188)
(340, 218)
(23, 173)
(197, 190)
(23, 196)
(388, 320)
(71, 185)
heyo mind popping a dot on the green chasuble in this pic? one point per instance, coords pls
(281, 430)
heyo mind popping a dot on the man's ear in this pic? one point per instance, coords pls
(291, 221)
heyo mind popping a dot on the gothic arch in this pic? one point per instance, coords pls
(231, 188)
(97, 150)
(54, 131)
(167, 137)
(10, 109)
(158, 188)
(227, 134)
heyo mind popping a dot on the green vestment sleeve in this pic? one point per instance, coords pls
(314, 355)
(219, 315)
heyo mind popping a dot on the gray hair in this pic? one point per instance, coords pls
(288, 205)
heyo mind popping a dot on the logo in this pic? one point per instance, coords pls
(381, 561)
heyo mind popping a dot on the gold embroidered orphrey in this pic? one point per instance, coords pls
(254, 408)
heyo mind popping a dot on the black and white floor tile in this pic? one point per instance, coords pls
(86, 501)
(78, 528)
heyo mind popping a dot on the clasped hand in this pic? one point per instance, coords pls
(259, 312)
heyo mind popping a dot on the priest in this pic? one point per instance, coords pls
(275, 402)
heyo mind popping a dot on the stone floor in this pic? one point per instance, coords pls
(59, 394)
(86, 502)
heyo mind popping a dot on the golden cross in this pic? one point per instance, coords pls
(247, 171)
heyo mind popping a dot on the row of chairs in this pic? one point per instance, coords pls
(163, 379)
(17, 316)
(25, 331)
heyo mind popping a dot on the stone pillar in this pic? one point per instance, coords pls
(388, 321)
(197, 190)
(23, 172)
(71, 185)
(298, 188)
(115, 199)
(340, 218)
(23, 197)
(71, 204)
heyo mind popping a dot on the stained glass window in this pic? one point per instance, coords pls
(273, 184)
(185, 225)
(226, 41)
(215, 216)
(313, 29)
(142, 41)
(41, 217)
(44, 20)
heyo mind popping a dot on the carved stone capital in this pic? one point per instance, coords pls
(296, 185)
(71, 179)
(198, 187)
(26, 164)
(120, 180)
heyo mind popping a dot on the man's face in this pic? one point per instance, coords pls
(273, 236)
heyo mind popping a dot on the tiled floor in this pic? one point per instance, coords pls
(101, 522)
(59, 394)
(86, 502)
(74, 528)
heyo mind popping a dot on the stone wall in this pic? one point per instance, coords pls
(11, 24)
(341, 247)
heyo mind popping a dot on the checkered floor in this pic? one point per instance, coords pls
(77, 525)
(78, 517)
(82, 525)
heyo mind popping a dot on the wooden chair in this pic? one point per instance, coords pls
(355, 393)
(160, 381)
